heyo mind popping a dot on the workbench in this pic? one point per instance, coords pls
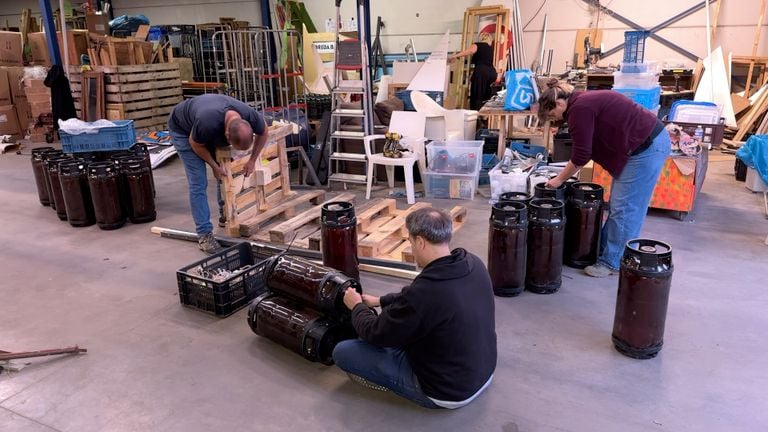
(678, 186)
(501, 119)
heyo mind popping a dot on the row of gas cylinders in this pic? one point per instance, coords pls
(303, 309)
(531, 237)
(96, 188)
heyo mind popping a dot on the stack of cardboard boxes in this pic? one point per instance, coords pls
(22, 101)
(10, 61)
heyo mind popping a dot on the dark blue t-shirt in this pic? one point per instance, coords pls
(202, 118)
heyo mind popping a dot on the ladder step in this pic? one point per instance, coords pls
(355, 90)
(348, 178)
(348, 135)
(349, 113)
(352, 157)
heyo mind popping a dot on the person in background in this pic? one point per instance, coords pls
(434, 342)
(625, 139)
(483, 71)
(200, 125)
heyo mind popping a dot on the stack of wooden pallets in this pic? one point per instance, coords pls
(145, 94)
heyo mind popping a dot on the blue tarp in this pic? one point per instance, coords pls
(754, 154)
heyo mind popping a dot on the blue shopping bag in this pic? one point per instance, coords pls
(522, 90)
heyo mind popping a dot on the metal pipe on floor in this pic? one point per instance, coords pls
(269, 250)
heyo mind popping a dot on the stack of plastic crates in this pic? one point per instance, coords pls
(638, 80)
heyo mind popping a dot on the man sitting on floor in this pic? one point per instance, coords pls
(434, 342)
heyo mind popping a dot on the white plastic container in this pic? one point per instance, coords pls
(455, 157)
(645, 80)
(754, 182)
(645, 67)
(514, 181)
(450, 186)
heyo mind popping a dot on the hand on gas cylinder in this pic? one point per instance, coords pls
(352, 298)
(554, 183)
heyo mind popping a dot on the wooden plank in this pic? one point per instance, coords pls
(142, 32)
(151, 76)
(251, 226)
(245, 198)
(128, 69)
(273, 185)
(285, 231)
(155, 103)
(131, 88)
(371, 245)
(228, 193)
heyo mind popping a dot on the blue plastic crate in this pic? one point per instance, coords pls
(634, 46)
(648, 98)
(120, 137)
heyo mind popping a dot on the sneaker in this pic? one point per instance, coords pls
(365, 383)
(599, 270)
(208, 244)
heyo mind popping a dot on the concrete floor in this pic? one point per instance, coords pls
(154, 365)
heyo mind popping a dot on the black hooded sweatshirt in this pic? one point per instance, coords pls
(445, 323)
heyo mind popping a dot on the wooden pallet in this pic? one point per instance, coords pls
(381, 231)
(145, 94)
(268, 186)
(297, 230)
(286, 209)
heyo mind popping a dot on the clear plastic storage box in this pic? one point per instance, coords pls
(451, 186)
(455, 157)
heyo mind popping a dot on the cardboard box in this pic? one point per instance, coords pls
(9, 123)
(10, 49)
(16, 81)
(38, 49)
(77, 44)
(5, 89)
(585, 175)
(23, 113)
(97, 24)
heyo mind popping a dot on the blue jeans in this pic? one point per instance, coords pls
(197, 179)
(387, 367)
(631, 192)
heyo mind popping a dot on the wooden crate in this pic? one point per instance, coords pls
(145, 94)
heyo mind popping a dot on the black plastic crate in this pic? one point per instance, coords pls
(226, 297)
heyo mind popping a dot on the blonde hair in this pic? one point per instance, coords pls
(555, 90)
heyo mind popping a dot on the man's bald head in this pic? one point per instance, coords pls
(240, 134)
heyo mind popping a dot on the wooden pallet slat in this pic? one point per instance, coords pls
(372, 244)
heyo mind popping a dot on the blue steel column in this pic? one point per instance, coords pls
(50, 29)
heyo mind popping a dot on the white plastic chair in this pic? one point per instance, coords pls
(411, 126)
(444, 124)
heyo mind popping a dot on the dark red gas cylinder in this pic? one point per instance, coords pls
(516, 197)
(73, 176)
(297, 327)
(38, 169)
(317, 286)
(103, 181)
(507, 243)
(546, 234)
(542, 191)
(57, 203)
(338, 228)
(137, 178)
(641, 303)
(584, 216)
(45, 156)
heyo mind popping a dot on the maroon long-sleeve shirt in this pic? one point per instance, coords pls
(606, 127)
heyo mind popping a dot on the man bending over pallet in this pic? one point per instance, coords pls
(198, 126)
